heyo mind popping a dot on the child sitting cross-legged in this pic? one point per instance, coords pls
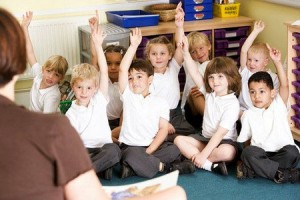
(87, 113)
(145, 121)
(272, 153)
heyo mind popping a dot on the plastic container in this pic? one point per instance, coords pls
(297, 61)
(297, 49)
(296, 97)
(198, 8)
(296, 108)
(296, 120)
(231, 32)
(227, 10)
(297, 74)
(297, 85)
(297, 36)
(227, 52)
(132, 18)
(226, 43)
(64, 106)
(198, 16)
(193, 2)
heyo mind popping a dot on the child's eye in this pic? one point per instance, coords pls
(139, 77)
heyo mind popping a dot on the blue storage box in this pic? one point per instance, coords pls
(132, 18)
(198, 8)
(198, 16)
(189, 2)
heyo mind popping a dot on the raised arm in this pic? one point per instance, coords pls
(135, 40)
(258, 27)
(190, 63)
(179, 33)
(27, 17)
(275, 55)
(93, 22)
(98, 37)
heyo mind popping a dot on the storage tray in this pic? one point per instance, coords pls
(297, 85)
(297, 36)
(132, 18)
(231, 32)
(198, 8)
(226, 43)
(296, 97)
(297, 121)
(297, 49)
(193, 2)
(296, 108)
(297, 74)
(227, 52)
(198, 16)
(297, 61)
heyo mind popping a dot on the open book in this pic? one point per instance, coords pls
(143, 188)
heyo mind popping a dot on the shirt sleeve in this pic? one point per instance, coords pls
(70, 156)
(245, 133)
(51, 103)
(230, 115)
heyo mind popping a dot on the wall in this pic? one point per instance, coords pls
(274, 15)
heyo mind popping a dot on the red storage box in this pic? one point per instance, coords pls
(297, 49)
(231, 32)
(296, 97)
(297, 36)
(296, 120)
(297, 61)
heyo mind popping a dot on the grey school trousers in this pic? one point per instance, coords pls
(266, 164)
(146, 165)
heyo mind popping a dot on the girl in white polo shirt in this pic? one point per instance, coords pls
(217, 143)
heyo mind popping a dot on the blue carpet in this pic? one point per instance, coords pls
(207, 185)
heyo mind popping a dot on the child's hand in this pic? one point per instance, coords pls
(27, 17)
(94, 22)
(135, 37)
(198, 160)
(171, 129)
(259, 26)
(179, 17)
(194, 92)
(98, 36)
(275, 54)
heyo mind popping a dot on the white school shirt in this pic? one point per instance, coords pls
(167, 85)
(141, 117)
(220, 111)
(115, 105)
(244, 97)
(267, 128)
(43, 100)
(91, 122)
(189, 83)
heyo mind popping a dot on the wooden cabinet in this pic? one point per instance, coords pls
(292, 30)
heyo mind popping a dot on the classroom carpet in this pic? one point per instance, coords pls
(203, 185)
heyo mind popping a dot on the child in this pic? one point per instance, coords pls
(192, 101)
(272, 153)
(254, 58)
(114, 55)
(87, 113)
(160, 52)
(145, 121)
(44, 95)
(216, 145)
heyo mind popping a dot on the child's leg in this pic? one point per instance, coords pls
(188, 146)
(287, 157)
(224, 152)
(256, 159)
(167, 152)
(142, 164)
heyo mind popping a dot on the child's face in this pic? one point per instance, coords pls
(200, 53)
(218, 83)
(256, 62)
(139, 82)
(84, 90)
(50, 78)
(261, 95)
(113, 60)
(159, 57)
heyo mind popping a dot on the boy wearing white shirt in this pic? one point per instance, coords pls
(272, 153)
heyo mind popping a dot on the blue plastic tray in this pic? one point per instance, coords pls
(132, 18)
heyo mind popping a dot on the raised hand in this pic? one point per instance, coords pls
(27, 17)
(94, 22)
(259, 26)
(179, 17)
(98, 36)
(135, 37)
(275, 54)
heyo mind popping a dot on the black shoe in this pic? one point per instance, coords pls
(219, 168)
(126, 171)
(184, 167)
(106, 174)
(287, 175)
(243, 172)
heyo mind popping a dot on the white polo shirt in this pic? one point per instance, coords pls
(115, 105)
(220, 111)
(91, 122)
(167, 85)
(189, 83)
(244, 97)
(141, 118)
(267, 128)
(43, 100)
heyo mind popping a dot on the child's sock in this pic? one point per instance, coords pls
(207, 165)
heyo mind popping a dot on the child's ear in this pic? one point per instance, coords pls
(150, 79)
(273, 93)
